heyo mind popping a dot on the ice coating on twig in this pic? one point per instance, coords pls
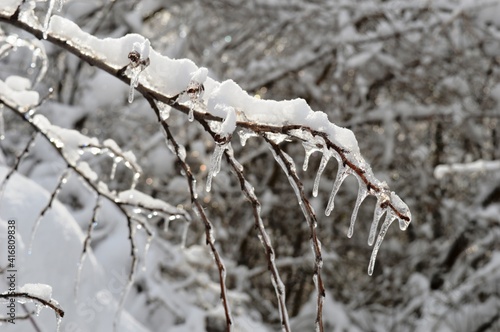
(215, 164)
(403, 209)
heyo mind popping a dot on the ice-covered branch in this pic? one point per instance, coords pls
(223, 108)
(180, 152)
(285, 119)
(51, 304)
(288, 166)
(41, 294)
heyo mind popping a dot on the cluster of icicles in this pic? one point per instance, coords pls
(139, 60)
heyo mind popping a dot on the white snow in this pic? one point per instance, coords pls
(42, 291)
(8, 7)
(53, 261)
(16, 90)
(478, 166)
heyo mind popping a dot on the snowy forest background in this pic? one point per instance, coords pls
(417, 82)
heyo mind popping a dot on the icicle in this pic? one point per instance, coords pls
(191, 113)
(2, 124)
(113, 169)
(134, 83)
(135, 180)
(342, 173)
(38, 308)
(389, 218)
(79, 274)
(215, 163)
(309, 150)
(194, 91)
(47, 18)
(58, 322)
(322, 165)
(139, 60)
(362, 193)
(379, 211)
(245, 134)
(146, 251)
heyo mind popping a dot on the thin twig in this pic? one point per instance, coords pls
(286, 163)
(59, 311)
(210, 239)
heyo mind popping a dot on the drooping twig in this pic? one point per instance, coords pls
(58, 310)
(197, 206)
(62, 180)
(86, 244)
(264, 238)
(288, 166)
(19, 158)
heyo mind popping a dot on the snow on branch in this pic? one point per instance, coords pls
(478, 166)
(41, 294)
(223, 108)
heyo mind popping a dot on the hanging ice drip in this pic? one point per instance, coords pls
(139, 60)
(195, 92)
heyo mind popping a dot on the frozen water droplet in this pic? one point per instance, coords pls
(164, 110)
(342, 172)
(389, 218)
(215, 163)
(322, 165)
